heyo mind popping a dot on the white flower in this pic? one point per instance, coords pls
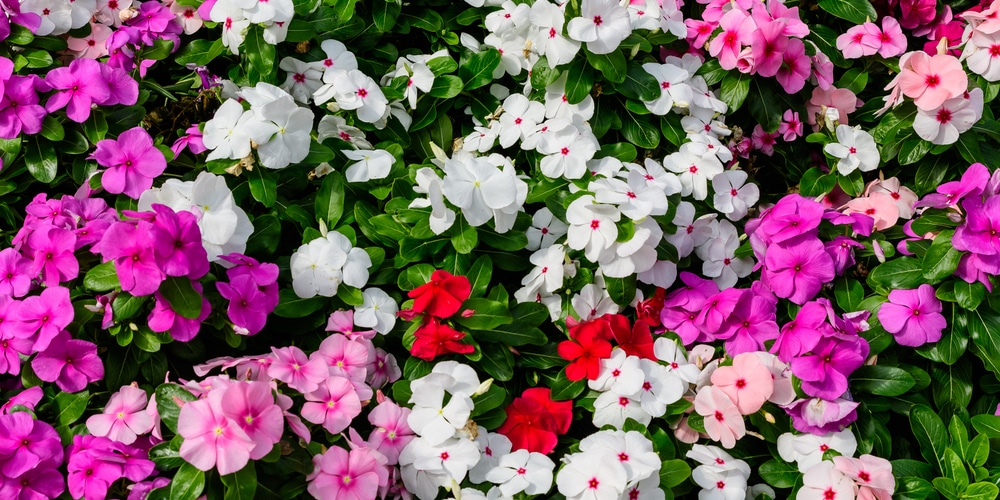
(955, 116)
(229, 132)
(454, 377)
(82, 12)
(480, 189)
(636, 255)
(558, 106)
(645, 15)
(672, 20)
(567, 151)
(631, 449)
(807, 449)
(660, 388)
(588, 476)
(545, 229)
(614, 409)
(548, 20)
(525, 471)
(719, 484)
(675, 362)
(981, 56)
(276, 32)
(693, 170)
(493, 446)
(690, 233)
(708, 144)
(354, 90)
(452, 458)
(519, 119)
(56, 16)
(370, 165)
(550, 268)
(508, 18)
(714, 457)
(234, 23)
(603, 24)
(592, 302)
(719, 256)
(620, 374)
(430, 184)
(673, 87)
(320, 266)
(702, 120)
(336, 126)
(647, 489)
(733, 196)
(378, 311)
(290, 142)
(269, 11)
(482, 138)
(823, 481)
(434, 420)
(303, 80)
(338, 59)
(635, 198)
(592, 226)
(855, 148)
(422, 483)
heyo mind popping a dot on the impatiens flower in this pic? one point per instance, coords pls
(931, 80)
(723, 421)
(211, 440)
(603, 24)
(352, 475)
(124, 417)
(913, 316)
(855, 148)
(334, 404)
(534, 421)
(747, 382)
(442, 296)
(70, 363)
(78, 86)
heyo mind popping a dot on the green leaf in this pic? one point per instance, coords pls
(988, 425)
(815, 183)
(330, 199)
(953, 343)
(611, 65)
(849, 294)
(512, 334)
(902, 273)
(40, 157)
(913, 150)
(530, 313)
(952, 384)
(764, 105)
(159, 51)
(563, 389)
(70, 407)
(96, 127)
(241, 485)
(941, 258)
(479, 275)
(622, 290)
(929, 430)
(487, 314)
(579, 80)
(779, 474)
(735, 88)
(542, 75)
(640, 130)
(673, 473)
(182, 297)
(260, 53)
(478, 69)
(263, 186)
(166, 394)
(854, 79)
(969, 295)
(855, 11)
(385, 13)
(981, 491)
(954, 468)
(446, 87)
(882, 380)
(984, 328)
(187, 484)
(465, 237)
(639, 84)
(493, 398)
(497, 361)
(511, 241)
(126, 306)
(52, 129)
(102, 277)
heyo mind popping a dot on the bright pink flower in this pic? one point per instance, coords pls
(37, 483)
(179, 248)
(15, 277)
(132, 162)
(913, 317)
(294, 368)
(824, 372)
(251, 406)
(698, 32)
(124, 90)
(723, 421)
(872, 475)
(862, 40)
(917, 12)
(124, 417)
(801, 335)
(797, 269)
(892, 41)
(11, 347)
(391, 432)
(211, 439)
(192, 140)
(345, 357)
(764, 141)
(354, 475)
(54, 261)
(132, 248)
(19, 108)
(26, 443)
(70, 363)
(334, 404)
(163, 318)
(795, 67)
(737, 28)
(791, 126)
(77, 86)
(931, 80)
(246, 303)
(820, 416)
(768, 42)
(747, 382)
(751, 323)
(42, 317)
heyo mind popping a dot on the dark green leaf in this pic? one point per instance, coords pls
(640, 130)
(901, 273)
(330, 199)
(497, 361)
(988, 425)
(486, 314)
(563, 389)
(40, 157)
(52, 129)
(854, 79)
(815, 183)
(512, 334)
(929, 430)
(465, 237)
(969, 295)
(849, 294)
(263, 186)
(611, 65)
(241, 485)
(881, 380)
(984, 328)
(981, 491)
(622, 290)
(639, 84)
(70, 407)
(941, 258)
(855, 11)
(913, 150)
(478, 69)
(101, 277)
(187, 484)
(952, 384)
(779, 474)
(166, 404)
(765, 106)
(579, 80)
(446, 87)
(826, 40)
(735, 88)
(384, 13)
(181, 296)
(673, 473)
(260, 53)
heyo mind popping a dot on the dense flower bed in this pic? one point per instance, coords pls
(586, 250)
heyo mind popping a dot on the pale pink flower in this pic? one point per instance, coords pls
(723, 421)
(823, 482)
(931, 80)
(859, 41)
(747, 382)
(345, 357)
(211, 439)
(944, 124)
(301, 373)
(93, 45)
(354, 475)
(391, 431)
(333, 405)
(879, 206)
(892, 41)
(124, 416)
(872, 475)
(843, 100)
(903, 196)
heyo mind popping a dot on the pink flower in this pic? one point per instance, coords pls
(737, 28)
(391, 431)
(251, 406)
(931, 80)
(903, 196)
(795, 67)
(768, 42)
(747, 382)
(26, 443)
(698, 32)
(354, 475)
(345, 357)
(821, 416)
(913, 316)
(77, 87)
(42, 317)
(131, 246)
(124, 417)
(879, 206)
(93, 45)
(723, 421)
(132, 162)
(797, 269)
(892, 41)
(294, 368)
(247, 303)
(859, 41)
(824, 372)
(843, 100)
(54, 261)
(764, 141)
(211, 439)
(872, 475)
(70, 363)
(333, 405)
(791, 126)
(823, 482)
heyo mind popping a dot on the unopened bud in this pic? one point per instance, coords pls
(468, 313)
(483, 387)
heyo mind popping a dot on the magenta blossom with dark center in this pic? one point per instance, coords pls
(132, 162)
(797, 269)
(70, 363)
(77, 87)
(246, 303)
(824, 372)
(132, 248)
(178, 243)
(19, 108)
(913, 317)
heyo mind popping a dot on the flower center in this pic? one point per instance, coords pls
(598, 20)
(932, 81)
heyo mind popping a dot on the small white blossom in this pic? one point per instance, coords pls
(855, 148)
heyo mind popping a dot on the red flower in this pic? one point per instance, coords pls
(636, 340)
(649, 309)
(597, 327)
(434, 339)
(588, 347)
(534, 421)
(442, 296)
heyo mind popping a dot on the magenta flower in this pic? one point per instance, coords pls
(95, 462)
(801, 335)
(737, 28)
(19, 108)
(211, 439)
(913, 317)
(54, 260)
(42, 317)
(951, 193)
(246, 303)
(797, 269)
(179, 249)
(979, 233)
(294, 368)
(123, 89)
(682, 307)
(751, 323)
(77, 87)
(768, 42)
(821, 416)
(15, 278)
(192, 140)
(841, 250)
(26, 443)
(382, 370)
(70, 363)
(792, 216)
(251, 406)
(132, 248)
(391, 431)
(124, 417)
(132, 162)
(824, 372)
(163, 318)
(354, 475)
(795, 67)
(791, 127)
(11, 347)
(334, 404)
(36, 483)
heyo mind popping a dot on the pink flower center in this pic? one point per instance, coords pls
(693, 169)
(592, 484)
(741, 383)
(362, 93)
(734, 192)
(598, 20)
(823, 448)
(517, 121)
(630, 194)
(444, 455)
(545, 230)
(721, 485)
(864, 476)
(623, 401)
(646, 386)
(665, 85)
(932, 81)
(594, 224)
(829, 494)
(995, 50)
(552, 32)
(623, 457)
(719, 416)
(522, 471)
(852, 150)
(564, 151)
(299, 77)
